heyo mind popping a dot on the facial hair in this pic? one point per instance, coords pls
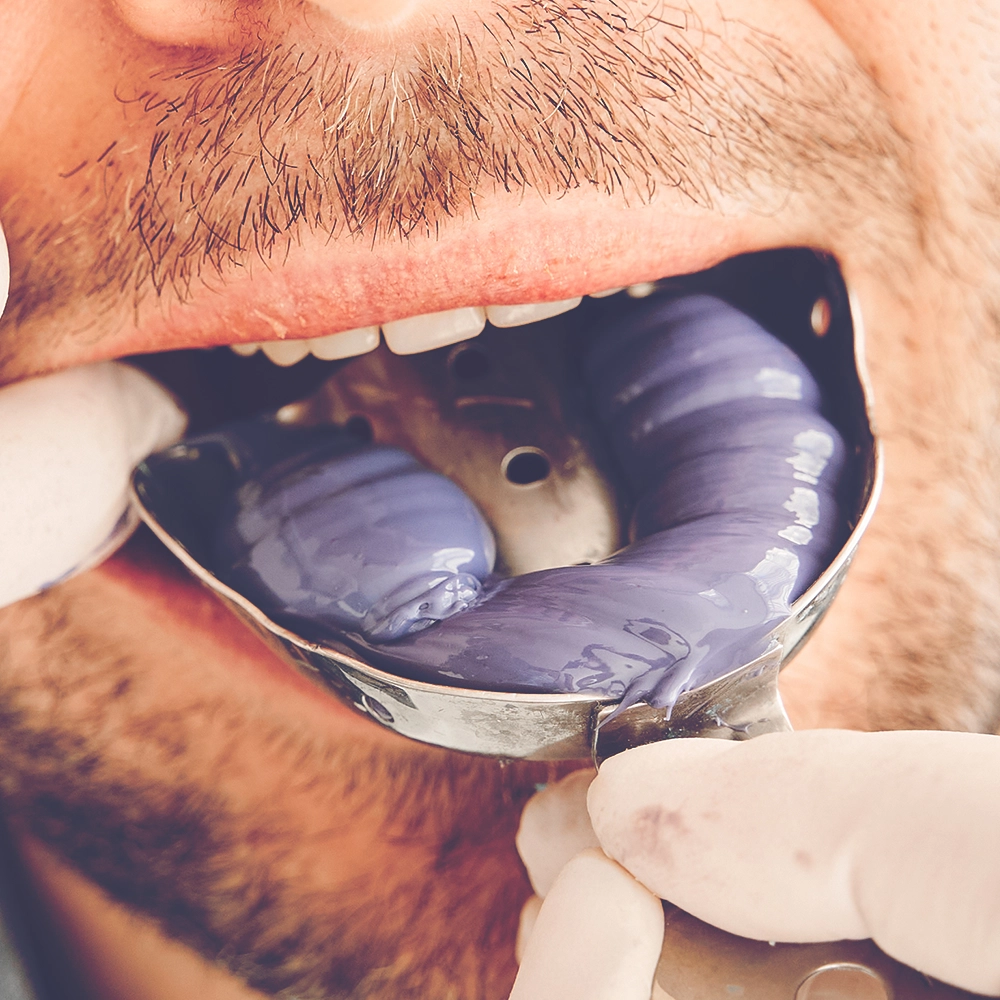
(246, 151)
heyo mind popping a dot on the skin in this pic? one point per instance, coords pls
(167, 772)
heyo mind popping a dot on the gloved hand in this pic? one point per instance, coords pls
(808, 836)
(68, 443)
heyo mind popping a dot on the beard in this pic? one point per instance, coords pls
(311, 864)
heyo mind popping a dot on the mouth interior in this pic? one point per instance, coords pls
(790, 291)
(796, 294)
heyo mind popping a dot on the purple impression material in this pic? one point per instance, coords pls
(716, 427)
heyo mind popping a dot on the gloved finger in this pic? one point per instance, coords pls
(68, 444)
(4, 271)
(525, 925)
(597, 936)
(555, 826)
(822, 835)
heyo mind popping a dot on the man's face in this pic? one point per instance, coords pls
(204, 173)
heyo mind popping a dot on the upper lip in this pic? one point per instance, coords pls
(512, 253)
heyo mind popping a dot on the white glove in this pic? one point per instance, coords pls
(808, 836)
(4, 271)
(68, 444)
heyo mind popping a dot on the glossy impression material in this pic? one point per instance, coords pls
(717, 429)
(363, 540)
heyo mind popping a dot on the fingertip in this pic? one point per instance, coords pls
(652, 759)
(645, 773)
(525, 925)
(818, 836)
(152, 416)
(597, 936)
(69, 441)
(555, 826)
(4, 271)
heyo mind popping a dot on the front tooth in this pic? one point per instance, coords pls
(641, 290)
(605, 293)
(346, 344)
(424, 333)
(531, 312)
(285, 352)
(244, 350)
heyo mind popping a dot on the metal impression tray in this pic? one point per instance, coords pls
(481, 413)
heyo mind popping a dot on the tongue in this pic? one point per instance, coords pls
(715, 424)
(68, 443)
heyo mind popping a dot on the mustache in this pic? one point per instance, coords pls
(247, 153)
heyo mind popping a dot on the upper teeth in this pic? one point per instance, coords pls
(337, 345)
(535, 312)
(424, 333)
(418, 333)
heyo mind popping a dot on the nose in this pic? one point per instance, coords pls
(367, 13)
(214, 22)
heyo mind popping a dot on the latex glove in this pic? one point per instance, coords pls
(809, 836)
(4, 271)
(68, 444)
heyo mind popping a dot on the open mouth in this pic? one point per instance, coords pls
(663, 472)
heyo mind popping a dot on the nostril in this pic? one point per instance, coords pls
(524, 466)
(361, 428)
(470, 363)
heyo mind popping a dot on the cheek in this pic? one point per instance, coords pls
(24, 31)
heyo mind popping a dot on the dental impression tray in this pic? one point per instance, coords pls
(556, 495)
